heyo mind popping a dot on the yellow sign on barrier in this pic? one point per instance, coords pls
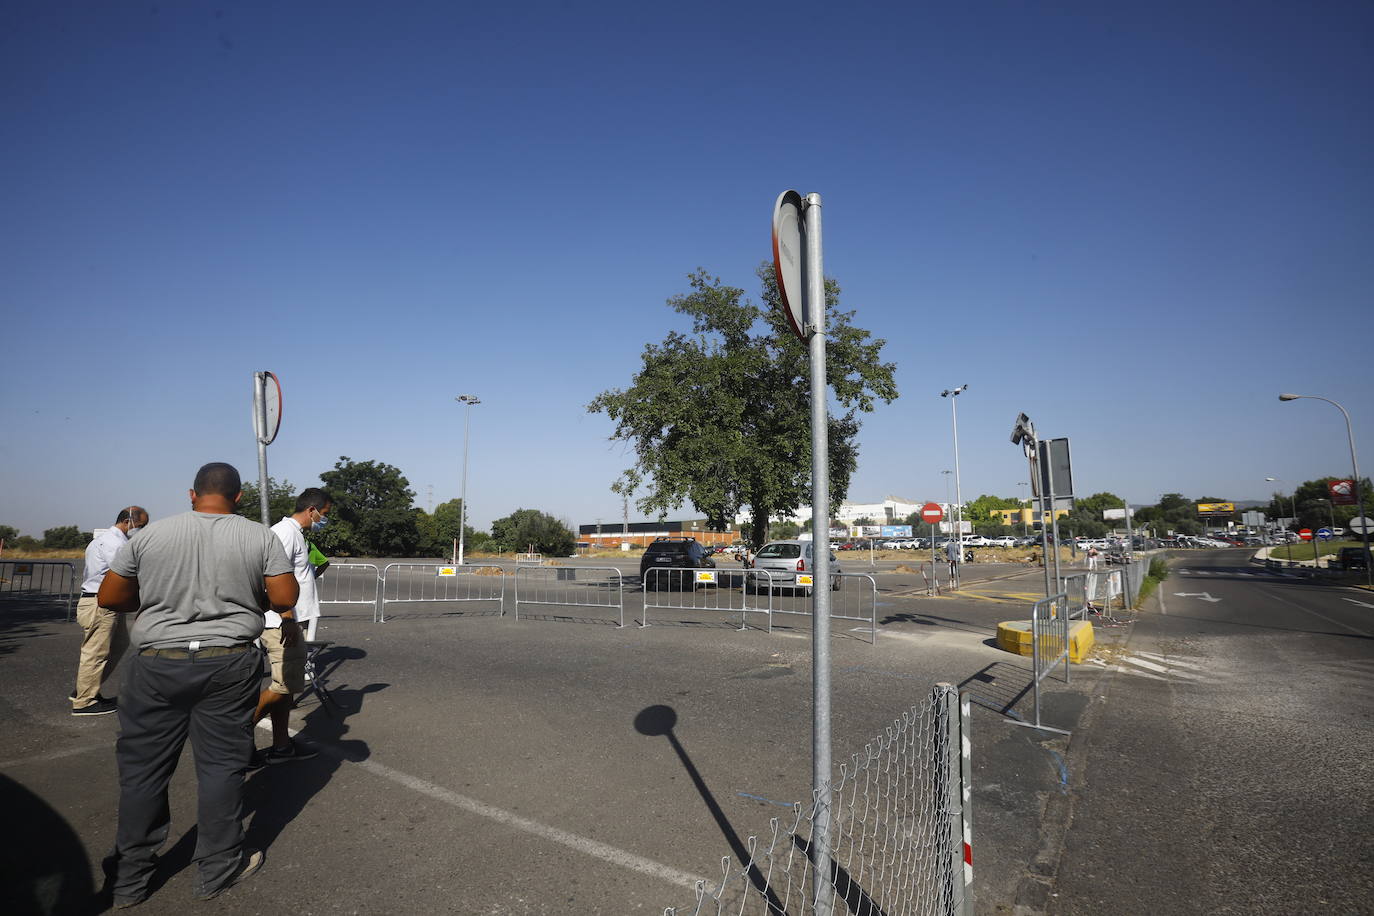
(447, 571)
(803, 580)
(704, 575)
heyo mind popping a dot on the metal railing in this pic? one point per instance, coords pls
(40, 581)
(413, 583)
(854, 597)
(735, 591)
(529, 559)
(598, 587)
(351, 583)
(1049, 647)
(898, 828)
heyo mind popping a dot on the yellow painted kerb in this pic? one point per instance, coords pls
(1015, 636)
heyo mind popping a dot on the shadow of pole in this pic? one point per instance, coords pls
(655, 721)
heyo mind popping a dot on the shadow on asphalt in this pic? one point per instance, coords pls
(999, 686)
(656, 721)
(43, 864)
(28, 620)
(931, 620)
(275, 795)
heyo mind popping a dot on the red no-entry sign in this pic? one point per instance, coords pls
(1305, 534)
(931, 513)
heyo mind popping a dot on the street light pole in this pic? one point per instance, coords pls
(953, 395)
(468, 400)
(1025, 532)
(1355, 469)
(1293, 500)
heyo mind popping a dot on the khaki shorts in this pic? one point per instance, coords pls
(288, 665)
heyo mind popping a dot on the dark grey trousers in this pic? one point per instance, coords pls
(161, 702)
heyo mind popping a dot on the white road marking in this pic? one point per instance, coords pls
(1171, 661)
(593, 848)
(1360, 603)
(1205, 596)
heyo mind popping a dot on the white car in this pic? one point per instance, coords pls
(976, 540)
(1005, 541)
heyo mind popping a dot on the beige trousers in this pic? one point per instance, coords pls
(105, 637)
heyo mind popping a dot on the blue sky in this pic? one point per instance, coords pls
(1138, 223)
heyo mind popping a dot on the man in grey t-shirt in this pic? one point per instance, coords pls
(199, 583)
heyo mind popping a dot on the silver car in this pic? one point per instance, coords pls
(789, 564)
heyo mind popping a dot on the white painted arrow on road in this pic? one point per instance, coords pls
(1360, 603)
(1203, 595)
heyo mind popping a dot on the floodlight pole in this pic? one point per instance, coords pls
(1355, 469)
(469, 400)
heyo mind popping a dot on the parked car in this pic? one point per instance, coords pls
(1005, 540)
(789, 562)
(672, 553)
(1349, 558)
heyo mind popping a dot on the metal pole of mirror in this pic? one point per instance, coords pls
(820, 532)
(1054, 519)
(260, 431)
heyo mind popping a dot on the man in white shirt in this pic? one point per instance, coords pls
(281, 635)
(105, 634)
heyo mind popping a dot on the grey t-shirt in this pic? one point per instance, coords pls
(200, 579)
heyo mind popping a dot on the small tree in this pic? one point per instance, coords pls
(281, 500)
(530, 529)
(65, 537)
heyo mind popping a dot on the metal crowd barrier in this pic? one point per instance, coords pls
(412, 583)
(570, 586)
(346, 583)
(1049, 647)
(728, 590)
(38, 581)
(854, 596)
(898, 831)
(529, 559)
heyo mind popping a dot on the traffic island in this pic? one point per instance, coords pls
(1015, 636)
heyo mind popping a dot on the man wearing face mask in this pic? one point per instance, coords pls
(105, 634)
(282, 635)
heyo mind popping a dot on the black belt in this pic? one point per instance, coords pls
(207, 652)
(89, 594)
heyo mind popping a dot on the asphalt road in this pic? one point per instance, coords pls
(487, 765)
(1223, 764)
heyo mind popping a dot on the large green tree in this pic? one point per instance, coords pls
(281, 500)
(439, 529)
(373, 515)
(66, 537)
(534, 531)
(720, 417)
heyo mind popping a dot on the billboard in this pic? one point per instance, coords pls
(1216, 508)
(896, 531)
(1110, 514)
(1056, 472)
(1342, 492)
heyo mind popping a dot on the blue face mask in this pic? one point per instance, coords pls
(319, 523)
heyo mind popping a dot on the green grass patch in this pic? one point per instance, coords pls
(1159, 571)
(1303, 551)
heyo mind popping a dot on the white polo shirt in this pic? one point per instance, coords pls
(298, 552)
(99, 552)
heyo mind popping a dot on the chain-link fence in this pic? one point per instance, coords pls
(898, 829)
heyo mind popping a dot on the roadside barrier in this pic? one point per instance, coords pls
(412, 583)
(598, 587)
(736, 591)
(1049, 647)
(351, 583)
(39, 582)
(898, 831)
(854, 596)
(529, 559)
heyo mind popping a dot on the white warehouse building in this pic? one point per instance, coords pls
(891, 510)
